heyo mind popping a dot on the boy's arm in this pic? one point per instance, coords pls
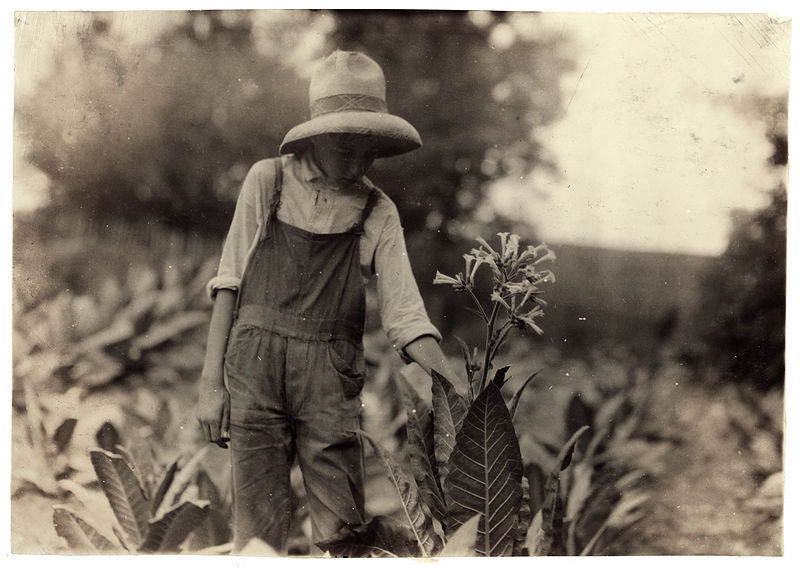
(426, 352)
(213, 405)
(247, 219)
(402, 310)
(213, 402)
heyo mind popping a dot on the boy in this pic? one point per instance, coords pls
(308, 228)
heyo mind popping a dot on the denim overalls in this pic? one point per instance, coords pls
(294, 369)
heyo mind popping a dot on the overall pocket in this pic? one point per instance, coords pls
(347, 360)
(243, 348)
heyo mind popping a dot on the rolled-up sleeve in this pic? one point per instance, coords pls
(402, 311)
(241, 236)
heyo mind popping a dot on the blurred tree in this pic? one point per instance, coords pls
(745, 292)
(165, 130)
(162, 132)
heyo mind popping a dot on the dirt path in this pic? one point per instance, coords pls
(707, 500)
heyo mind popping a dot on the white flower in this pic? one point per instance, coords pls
(549, 256)
(472, 264)
(528, 319)
(456, 282)
(544, 277)
(497, 298)
(509, 246)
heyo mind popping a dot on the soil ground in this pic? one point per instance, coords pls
(708, 500)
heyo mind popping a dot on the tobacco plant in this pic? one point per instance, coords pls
(468, 495)
(85, 366)
(176, 509)
(516, 299)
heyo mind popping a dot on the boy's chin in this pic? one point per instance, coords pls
(344, 182)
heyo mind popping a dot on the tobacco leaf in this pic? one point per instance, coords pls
(552, 542)
(420, 525)
(449, 410)
(81, 536)
(124, 492)
(215, 528)
(523, 519)
(166, 533)
(421, 447)
(462, 542)
(518, 395)
(485, 474)
(500, 378)
(578, 413)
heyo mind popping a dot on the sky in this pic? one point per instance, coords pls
(658, 144)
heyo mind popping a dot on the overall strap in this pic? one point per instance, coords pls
(372, 199)
(274, 202)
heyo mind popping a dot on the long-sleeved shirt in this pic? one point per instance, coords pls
(309, 203)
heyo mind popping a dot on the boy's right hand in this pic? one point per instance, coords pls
(214, 413)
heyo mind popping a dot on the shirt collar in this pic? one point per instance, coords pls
(309, 170)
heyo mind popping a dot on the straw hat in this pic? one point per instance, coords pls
(348, 95)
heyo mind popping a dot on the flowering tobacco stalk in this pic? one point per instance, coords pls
(516, 277)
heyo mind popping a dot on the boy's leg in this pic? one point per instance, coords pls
(329, 449)
(262, 449)
(333, 474)
(261, 459)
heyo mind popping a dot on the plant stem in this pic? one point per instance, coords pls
(479, 305)
(487, 356)
(501, 336)
(588, 548)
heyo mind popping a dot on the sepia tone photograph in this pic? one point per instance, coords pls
(339, 283)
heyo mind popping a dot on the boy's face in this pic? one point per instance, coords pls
(343, 158)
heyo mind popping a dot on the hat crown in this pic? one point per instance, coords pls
(348, 95)
(347, 73)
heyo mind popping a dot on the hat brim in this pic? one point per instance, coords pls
(393, 135)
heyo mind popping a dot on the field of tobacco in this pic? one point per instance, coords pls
(537, 455)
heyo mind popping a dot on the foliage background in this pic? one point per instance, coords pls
(138, 136)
